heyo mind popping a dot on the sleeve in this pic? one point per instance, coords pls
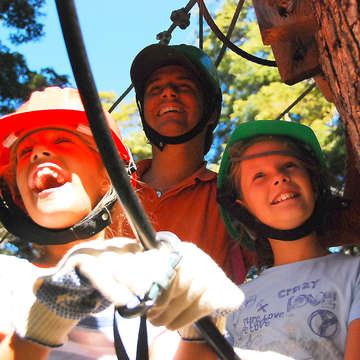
(11, 267)
(354, 311)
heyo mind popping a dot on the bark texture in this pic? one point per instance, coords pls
(338, 40)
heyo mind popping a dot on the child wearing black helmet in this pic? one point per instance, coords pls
(272, 183)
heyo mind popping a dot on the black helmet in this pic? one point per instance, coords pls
(192, 58)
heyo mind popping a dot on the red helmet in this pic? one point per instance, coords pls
(51, 107)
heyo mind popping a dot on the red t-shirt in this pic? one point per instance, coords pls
(191, 212)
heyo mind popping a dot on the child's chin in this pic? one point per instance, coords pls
(289, 225)
(58, 218)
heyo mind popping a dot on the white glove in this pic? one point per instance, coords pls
(90, 277)
(46, 306)
(120, 269)
(96, 273)
(200, 288)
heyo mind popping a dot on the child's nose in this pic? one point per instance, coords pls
(281, 178)
(40, 152)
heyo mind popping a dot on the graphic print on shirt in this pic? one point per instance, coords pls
(264, 315)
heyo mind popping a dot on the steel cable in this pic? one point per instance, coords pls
(228, 43)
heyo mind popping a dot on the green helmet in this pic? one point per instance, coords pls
(198, 63)
(300, 133)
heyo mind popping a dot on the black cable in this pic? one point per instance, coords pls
(119, 100)
(101, 132)
(230, 31)
(296, 101)
(164, 38)
(201, 30)
(228, 43)
(113, 163)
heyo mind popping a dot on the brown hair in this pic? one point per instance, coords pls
(265, 257)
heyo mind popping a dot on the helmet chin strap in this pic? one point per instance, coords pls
(21, 225)
(160, 140)
(256, 228)
(309, 226)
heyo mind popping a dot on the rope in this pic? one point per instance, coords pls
(230, 31)
(201, 30)
(120, 99)
(228, 43)
(296, 101)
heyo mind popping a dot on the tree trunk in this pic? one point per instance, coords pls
(338, 40)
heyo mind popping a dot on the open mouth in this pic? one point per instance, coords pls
(284, 196)
(169, 109)
(47, 176)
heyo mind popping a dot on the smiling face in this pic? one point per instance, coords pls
(173, 101)
(58, 176)
(275, 188)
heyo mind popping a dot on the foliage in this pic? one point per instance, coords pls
(256, 92)
(17, 81)
(127, 117)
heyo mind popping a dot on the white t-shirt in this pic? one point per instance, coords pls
(301, 310)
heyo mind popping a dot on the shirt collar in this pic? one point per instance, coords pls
(202, 174)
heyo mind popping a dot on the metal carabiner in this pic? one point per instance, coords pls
(139, 306)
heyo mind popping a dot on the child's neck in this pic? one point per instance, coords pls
(286, 252)
(52, 254)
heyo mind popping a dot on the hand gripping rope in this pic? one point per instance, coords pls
(114, 165)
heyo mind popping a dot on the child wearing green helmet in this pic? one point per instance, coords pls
(272, 183)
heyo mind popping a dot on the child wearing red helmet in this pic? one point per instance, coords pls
(55, 192)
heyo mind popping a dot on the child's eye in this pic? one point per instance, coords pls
(259, 175)
(61, 140)
(290, 165)
(25, 151)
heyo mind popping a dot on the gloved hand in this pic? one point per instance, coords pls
(94, 274)
(48, 304)
(119, 269)
(200, 288)
(90, 277)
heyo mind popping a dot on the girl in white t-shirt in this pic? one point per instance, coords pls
(306, 305)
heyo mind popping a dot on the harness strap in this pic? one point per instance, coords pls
(142, 352)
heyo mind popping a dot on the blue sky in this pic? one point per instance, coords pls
(114, 32)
